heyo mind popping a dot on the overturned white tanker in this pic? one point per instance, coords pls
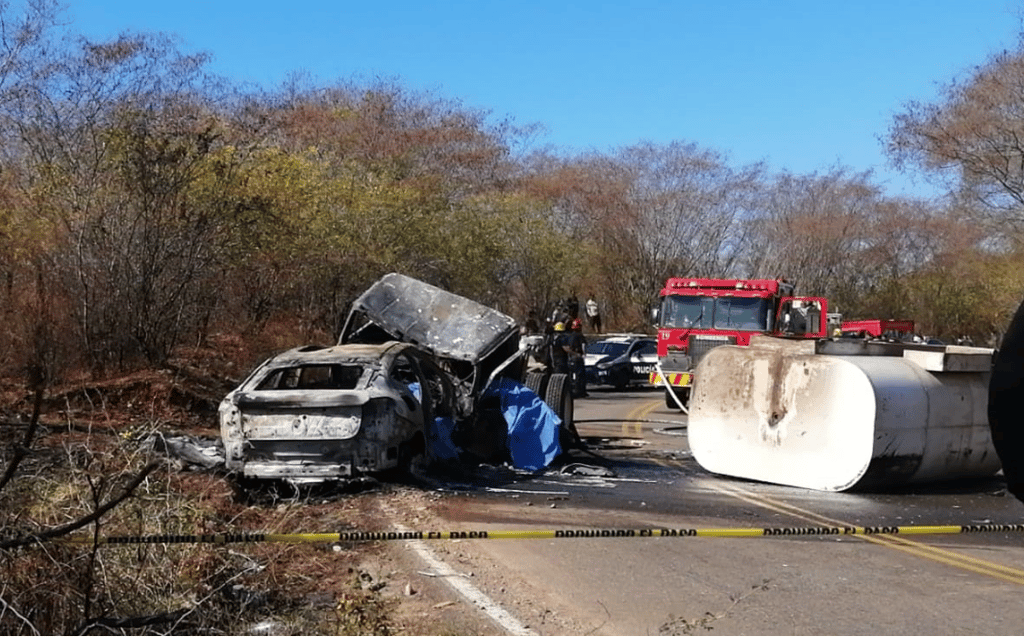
(835, 415)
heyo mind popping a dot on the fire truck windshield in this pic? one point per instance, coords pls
(687, 311)
(745, 314)
(723, 313)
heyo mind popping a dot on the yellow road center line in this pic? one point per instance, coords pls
(634, 418)
(919, 549)
(816, 517)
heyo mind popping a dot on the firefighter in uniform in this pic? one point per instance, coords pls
(559, 350)
(577, 349)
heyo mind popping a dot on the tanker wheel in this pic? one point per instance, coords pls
(536, 382)
(559, 397)
(1005, 403)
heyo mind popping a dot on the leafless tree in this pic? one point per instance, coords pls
(112, 135)
(688, 208)
(812, 230)
(972, 137)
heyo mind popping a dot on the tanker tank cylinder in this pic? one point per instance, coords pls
(834, 416)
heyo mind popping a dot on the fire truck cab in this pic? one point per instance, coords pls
(696, 315)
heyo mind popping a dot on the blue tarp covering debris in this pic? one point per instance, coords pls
(532, 425)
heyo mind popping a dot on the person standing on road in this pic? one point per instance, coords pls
(577, 349)
(593, 315)
(559, 350)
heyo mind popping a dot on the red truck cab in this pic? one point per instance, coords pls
(696, 315)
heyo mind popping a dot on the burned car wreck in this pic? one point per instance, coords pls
(416, 370)
(313, 413)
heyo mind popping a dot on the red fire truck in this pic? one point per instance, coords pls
(877, 328)
(697, 315)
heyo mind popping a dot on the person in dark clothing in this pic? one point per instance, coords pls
(560, 350)
(532, 325)
(572, 305)
(577, 345)
(559, 314)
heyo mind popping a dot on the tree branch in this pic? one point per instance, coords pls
(59, 531)
(22, 450)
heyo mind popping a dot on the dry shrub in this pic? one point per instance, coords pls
(38, 329)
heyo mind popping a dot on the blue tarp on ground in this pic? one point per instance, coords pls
(532, 425)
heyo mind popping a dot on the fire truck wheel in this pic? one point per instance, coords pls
(682, 394)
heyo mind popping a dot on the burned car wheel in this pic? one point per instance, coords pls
(408, 451)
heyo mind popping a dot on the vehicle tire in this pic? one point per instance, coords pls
(536, 382)
(1005, 402)
(683, 394)
(409, 450)
(407, 453)
(405, 456)
(559, 397)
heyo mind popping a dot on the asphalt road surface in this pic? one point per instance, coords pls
(637, 473)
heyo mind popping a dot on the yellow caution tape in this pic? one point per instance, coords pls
(374, 536)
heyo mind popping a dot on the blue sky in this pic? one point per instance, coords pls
(804, 85)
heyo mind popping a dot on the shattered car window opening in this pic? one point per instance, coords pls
(313, 377)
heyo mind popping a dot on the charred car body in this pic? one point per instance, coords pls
(417, 358)
(314, 413)
(477, 346)
(472, 341)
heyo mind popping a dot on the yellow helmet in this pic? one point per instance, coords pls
(559, 327)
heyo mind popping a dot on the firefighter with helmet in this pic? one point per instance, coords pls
(559, 350)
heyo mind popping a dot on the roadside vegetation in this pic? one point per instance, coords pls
(162, 230)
